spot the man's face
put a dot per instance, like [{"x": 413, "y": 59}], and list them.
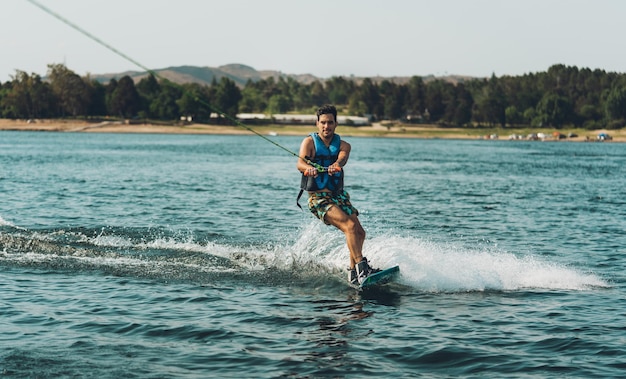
[{"x": 326, "y": 125}]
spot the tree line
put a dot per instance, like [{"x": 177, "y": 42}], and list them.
[{"x": 562, "y": 96}]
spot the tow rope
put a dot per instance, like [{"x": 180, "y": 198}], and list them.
[{"x": 131, "y": 60}]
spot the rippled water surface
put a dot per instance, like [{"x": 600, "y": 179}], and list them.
[{"x": 167, "y": 256}]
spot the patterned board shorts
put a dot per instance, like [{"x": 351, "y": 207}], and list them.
[{"x": 320, "y": 203}]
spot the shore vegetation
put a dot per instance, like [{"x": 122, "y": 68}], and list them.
[{"x": 565, "y": 99}]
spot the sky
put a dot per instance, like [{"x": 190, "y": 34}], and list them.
[{"x": 325, "y": 38}]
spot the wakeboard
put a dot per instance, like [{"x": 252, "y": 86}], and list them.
[{"x": 381, "y": 277}]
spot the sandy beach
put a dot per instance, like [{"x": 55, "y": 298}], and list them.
[{"x": 392, "y": 130}]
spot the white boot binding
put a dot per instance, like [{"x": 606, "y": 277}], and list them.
[
  {"x": 363, "y": 270},
  {"x": 352, "y": 277}
]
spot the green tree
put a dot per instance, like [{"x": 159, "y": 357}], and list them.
[
  {"x": 267, "y": 87},
  {"x": 369, "y": 95},
  {"x": 4, "y": 92},
  {"x": 124, "y": 99},
  {"x": 339, "y": 89},
  {"x": 492, "y": 104},
  {"x": 590, "y": 112},
  {"x": 165, "y": 106},
  {"x": 227, "y": 97},
  {"x": 529, "y": 116},
  {"x": 439, "y": 94},
  {"x": 554, "y": 110},
  {"x": 29, "y": 97},
  {"x": 109, "y": 89},
  {"x": 302, "y": 99},
  {"x": 393, "y": 99},
  {"x": 71, "y": 91},
  {"x": 356, "y": 106},
  {"x": 97, "y": 105},
  {"x": 461, "y": 106},
  {"x": 279, "y": 104},
  {"x": 149, "y": 90},
  {"x": 616, "y": 103},
  {"x": 195, "y": 101},
  {"x": 252, "y": 100},
  {"x": 318, "y": 93},
  {"x": 416, "y": 99},
  {"x": 513, "y": 115}
]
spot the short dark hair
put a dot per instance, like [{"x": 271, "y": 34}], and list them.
[{"x": 327, "y": 109}]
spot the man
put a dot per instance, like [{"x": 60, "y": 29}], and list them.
[{"x": 323, "y": 156}]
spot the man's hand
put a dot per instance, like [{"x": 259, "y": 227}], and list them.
[
  {"x": 333, "y": 169},
  {"x": 311, "y": 171}
]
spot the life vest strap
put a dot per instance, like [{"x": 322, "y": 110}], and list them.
[{"x": 298, "y": 198}]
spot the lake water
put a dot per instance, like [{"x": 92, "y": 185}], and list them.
[{"x": 178, "y": 256}]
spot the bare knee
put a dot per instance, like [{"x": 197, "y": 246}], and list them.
[
  {"x": 360, "y": 231},
  {"x": 355, "y": 228}
]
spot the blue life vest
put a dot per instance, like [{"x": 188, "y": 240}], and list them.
[{"x": 324, "y": 156}]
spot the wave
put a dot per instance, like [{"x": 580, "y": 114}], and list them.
[
  {"x": 433, "y": 267},
  {"x": 3, "y": 222},
  {"x": 317, "y": 255}
]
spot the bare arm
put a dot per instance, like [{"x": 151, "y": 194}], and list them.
[
  {"x": 342, "y": 158},
  {"x": 344, "y": 154},
  {"x": 307, "y": 149}
]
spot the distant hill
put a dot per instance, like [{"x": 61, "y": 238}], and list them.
[{"x": 240, "y": 74}]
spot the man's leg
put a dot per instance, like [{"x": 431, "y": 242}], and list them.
[{"x": 352, "y": 229}]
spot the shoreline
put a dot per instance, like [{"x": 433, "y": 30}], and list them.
[{"x": 385, "y": 130}]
